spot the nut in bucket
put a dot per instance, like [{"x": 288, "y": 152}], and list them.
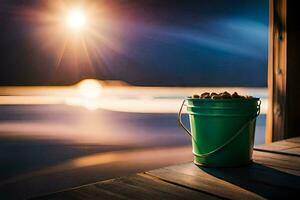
[{"x": 222, "y": 95}]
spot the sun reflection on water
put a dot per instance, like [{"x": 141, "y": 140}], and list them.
[
  {"x": 96, "y": 94},
  {"x": 89, "y": 88},
  {"x": 88, "y": 93}
]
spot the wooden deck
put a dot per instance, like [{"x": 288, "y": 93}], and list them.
[{"x": 274, "y": 174}]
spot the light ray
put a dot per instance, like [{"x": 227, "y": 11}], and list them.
[
  {"x": 61, "y": 54},
  {"x": 85, "y": 49}
]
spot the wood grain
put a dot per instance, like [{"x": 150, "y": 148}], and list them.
[
  {"x": 272, "y": 175},
  {"x": 255, "y": 181},
  {"x": 289, "y": 146},
  {"x": 138, "y": 186},
  {"x": 283, "y": 71}
]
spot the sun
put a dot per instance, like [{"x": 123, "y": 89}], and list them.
[
  {"x": 75, "y": 34},
  {"x": 76, "y": 19}
]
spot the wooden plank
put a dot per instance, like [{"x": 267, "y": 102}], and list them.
[
  {"x": 291, "y": 161},
  {"x": 139, "y": 186},
  {"x": 295, "y": 139},
  {"x": 191, "y": 176},
  {"x": 278, "y": 146},
  {"x": 254, "y": 182},
  {"x": 288, "y": 142},
  {"x": 280, "y": 150},
  {"x": 89, "y": 193},
  {"x": 272, "y": 175},
  {"x": 295, "y": 150},
  {"x": 289, "y": 146},
  {"x": 284, "y": 163}
]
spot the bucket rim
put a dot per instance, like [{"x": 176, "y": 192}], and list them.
[{"x": 223, "y": 100}]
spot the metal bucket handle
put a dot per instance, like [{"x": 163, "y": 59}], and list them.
[{"x": 227, "y": 142}]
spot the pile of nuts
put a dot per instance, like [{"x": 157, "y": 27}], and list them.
[{"x": 222, "y": 95}]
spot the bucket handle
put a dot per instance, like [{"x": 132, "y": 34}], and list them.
[
  {"x": 180, "y": 120},
  {"x": 227, "y": 142}
]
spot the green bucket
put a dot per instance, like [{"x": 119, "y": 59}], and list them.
[{"x": 222, "y": 130}]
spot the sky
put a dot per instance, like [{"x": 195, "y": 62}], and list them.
[{"x": 141, "y": 42}]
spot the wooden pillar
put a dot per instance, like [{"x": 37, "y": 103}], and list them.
[
  {"x": 283, "y": 117},
  {"x": 275, "y": 128},
  {"x": 293, "y": 69}
]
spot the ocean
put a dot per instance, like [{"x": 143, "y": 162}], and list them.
[{"x": 47, "y": 145}]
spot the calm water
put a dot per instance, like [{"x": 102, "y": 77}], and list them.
[{"x": 45, "y": 148}]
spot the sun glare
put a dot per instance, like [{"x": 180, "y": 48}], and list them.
[
  {"x": 77, "y": 34},
  {"x": 76, "y": 19},
  {"x": 89, "y": 88}
]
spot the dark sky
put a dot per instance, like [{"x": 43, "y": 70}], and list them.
[{"x": 146, "y": 42}]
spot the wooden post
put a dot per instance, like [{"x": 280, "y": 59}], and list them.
[
  {"x": 283, "y": 117},
  {"x": 269, "y": 121},
  {"x": 276, "y": 71},
  {"x": 293, "y": 69}
]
